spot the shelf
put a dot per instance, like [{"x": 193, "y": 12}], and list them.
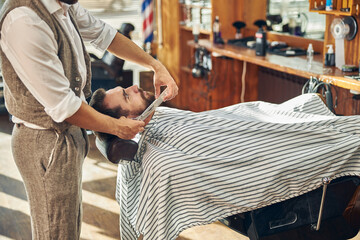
[
  {"x": 353, "y": 5},
  {"x": 195, "y": 13},
  {"x": 333, "y": 12},
  {"x": 202, "y": 31},
  {"x": 341, "y": 82},
  {"x": 292, "y": 65}
]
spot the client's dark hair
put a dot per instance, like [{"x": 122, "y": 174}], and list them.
[{"x": 97, "y": 102}]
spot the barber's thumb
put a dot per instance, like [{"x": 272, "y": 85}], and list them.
[
  {"x": 157, "y": 91},
  {"x": 140, "y": 123}
]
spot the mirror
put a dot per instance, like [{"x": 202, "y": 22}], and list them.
[{"x": 293, "y": 17}]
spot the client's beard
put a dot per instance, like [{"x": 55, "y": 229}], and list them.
[{"x": 148, "y": 100}]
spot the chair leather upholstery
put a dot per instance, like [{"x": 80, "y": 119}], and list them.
[
  {"x": 117, "y": 150},
  {"x": 352, "y": 211}
]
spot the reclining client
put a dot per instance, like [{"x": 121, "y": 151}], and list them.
[{"x": 196, "y": 168}]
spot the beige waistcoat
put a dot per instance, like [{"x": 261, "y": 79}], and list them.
[{"x": 18, "y": 100}]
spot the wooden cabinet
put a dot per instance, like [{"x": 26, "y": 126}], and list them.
[
  {"x": 198, "y": 94},
  {"x": 178, "y": 55},
  {"x": 233, "y": 77},
  {"x": 347, "y": 103},
  {"x": 229, "y": 74}
]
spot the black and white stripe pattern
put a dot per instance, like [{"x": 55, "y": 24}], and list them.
[{"x": 196, "y": 168}]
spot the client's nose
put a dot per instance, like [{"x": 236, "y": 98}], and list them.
[{"x": 134, "y": 88}]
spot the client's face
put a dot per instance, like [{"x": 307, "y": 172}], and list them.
[{"x": 132, "y": 99}]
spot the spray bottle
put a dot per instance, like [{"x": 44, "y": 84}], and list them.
[
  {"x": 330, "y": 56},
  {"x": 260, "y": 36}
]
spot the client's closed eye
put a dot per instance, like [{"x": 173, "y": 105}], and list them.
[{"x": 126, "y": 96}]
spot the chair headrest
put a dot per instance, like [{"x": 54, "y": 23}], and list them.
[{"x": 117, "y": 150}]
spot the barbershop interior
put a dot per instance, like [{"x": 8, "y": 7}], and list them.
[{"x": 221, "y": 53}]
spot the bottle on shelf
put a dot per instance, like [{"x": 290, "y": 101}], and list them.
[
  {"x": 196, "y": 31},
  {"x": 330, "y": 56},
  {"x": 329, "y": 5},
  {"x": 260, "y": 38},
  {"x": 216, "y": 31},
  {"x": 310, "y": 55}
]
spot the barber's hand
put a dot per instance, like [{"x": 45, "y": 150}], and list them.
[
  {"x": 163, "y": 78},
  {"x": 128, "y": 128}
]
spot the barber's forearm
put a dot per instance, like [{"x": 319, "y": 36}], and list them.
[
  {"x": 124, "y": 48},
  {"x": 88, "y": 118}
]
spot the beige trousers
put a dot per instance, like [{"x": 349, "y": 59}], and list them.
[{"x": 50, "y": 164}]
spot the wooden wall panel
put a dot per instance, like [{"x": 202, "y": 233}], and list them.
[
  {"x": 252, "y": 82},
  {"x": 277, "y": 87},
  {"x": 352, "y": 50},
  {"x": 168, "y": 54},
  {"x": 230, "y": 11},
  {"x": 186, "y": 54},
  {"x": 225, "y": 82},
  {"x": 198, "y": 95},
  {"x": 221, "y": 88},
  {"x": 193, "y": 94},
  {"x": 254, "y": 10},
  {"x": 347, "y": 103}
]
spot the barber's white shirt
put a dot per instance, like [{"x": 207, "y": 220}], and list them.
[{"x": 30, "y": 46}]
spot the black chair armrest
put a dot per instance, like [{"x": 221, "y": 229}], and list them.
[{"x": 117, "y": 150}]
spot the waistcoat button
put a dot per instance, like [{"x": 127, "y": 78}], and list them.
[
  {"x": 77, "y": 88},
  {"x": 77, "y": 79}
]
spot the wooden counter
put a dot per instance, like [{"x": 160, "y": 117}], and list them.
[{"x": 296, "y": 65}]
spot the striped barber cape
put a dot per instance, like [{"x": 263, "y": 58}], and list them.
[{"x": 195, "y": 168}]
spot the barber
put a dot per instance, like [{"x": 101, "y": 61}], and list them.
[{"x": 47, "y": 77}]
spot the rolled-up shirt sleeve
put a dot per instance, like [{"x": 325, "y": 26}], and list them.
[
  {"x": 31, "y": 48},
  {"x": 93, "y": 30}
]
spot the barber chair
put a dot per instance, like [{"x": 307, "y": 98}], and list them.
[
  {"x": 108, "y": 71},
  {"x": 331, "y": 212},
  {"x": 117, "y": 150}
]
